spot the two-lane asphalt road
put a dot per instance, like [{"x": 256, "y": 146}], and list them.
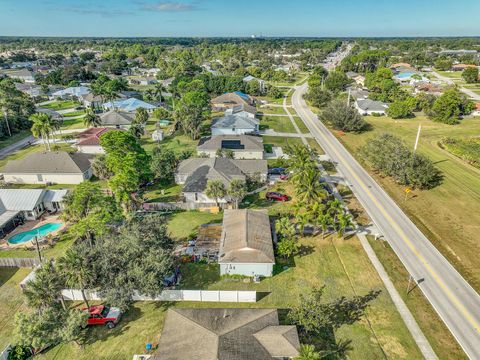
[{"x": 452, "y": 297}]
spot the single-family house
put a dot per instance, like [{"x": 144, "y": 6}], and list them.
[
  {"x": 370, "y": 107},
  {"x": 246, "y": 246},
  {"x": 250, "y": 78},
  {"x": 129, "y": 105},
  {"x": 88, "y": 141},
  {"x": 22, "y": 74},
  {"x": 91, "y": 101},
  {"x": 52, "y": 167},
  {"x": 461, "y": 67},
  {"x": 235, "y": 125},
  {"x": 233, "y": 334},
  {"x": 71, "y": 92},
  {"x": 117, "y": 119},
  {"x": 229, "y": 100},
  {"x": 194, "y": 174},
  {"x": 242, "y": 146},
  {"x": 30, "y": 89},
  {"x": 18, "y": 205},
  {"x": 358, "y": 78},
  {"x": 476, "y": 111},
  {"x": 142, "y": 80},
  {"x": 242, "y": 110}
]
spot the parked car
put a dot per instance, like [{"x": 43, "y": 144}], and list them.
[
  {"x": 276, "y": 196},
  {"x": 103, "y": 315},
  {"x": 276, "y": 171}
]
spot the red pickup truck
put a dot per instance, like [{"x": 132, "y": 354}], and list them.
[{"x": 103, "y": 315}]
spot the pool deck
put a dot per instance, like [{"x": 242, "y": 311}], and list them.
[{"x": 30, "y": 225}]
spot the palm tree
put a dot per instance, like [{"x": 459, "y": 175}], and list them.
[
  {"x": 307, "y": 352},
  {"x": 137, "y": 130},
  {"x": 324, "y": 220},
  {"x": 91, "y": 119},
  {"x": 215, "y": 189},
  {"x": 302, "y": 220},
  {"x": 74, "y": 269},
  {"x": 343, "y": 222},
  {"x": 308, "y": 189},
  {"x": 43, "y": 125},
  {"x": 237, "y": 191}
]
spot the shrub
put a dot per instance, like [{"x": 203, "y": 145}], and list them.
[{"x": 343, "y": 117}]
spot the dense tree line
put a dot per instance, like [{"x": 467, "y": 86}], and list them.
[{"x": 390, "y": 156}]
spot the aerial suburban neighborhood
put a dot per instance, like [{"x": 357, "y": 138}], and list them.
[{"x": 169, "y": 193}]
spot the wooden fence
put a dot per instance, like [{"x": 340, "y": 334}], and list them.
[{"x": 19, "y": 262}]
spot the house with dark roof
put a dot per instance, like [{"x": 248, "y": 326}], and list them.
[
  {"x": 232, "y": 99},
  {"x": 235, "y": 125},
  {"x": 194, "y": 174},
  {"x": 52, "y": 167},
  {"x": 117, "y": 119},
  {"x": 242, "y": 146},
  {"x": 88, "y": 141},
  {"x": 91, "y": 101},
  {"x": 233, "y": 334},
  {"x": 246, "y": 246}
]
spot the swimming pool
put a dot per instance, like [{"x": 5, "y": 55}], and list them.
[
  {"x": 405, "y": 75},
  {"x": 40, "y": 231}
]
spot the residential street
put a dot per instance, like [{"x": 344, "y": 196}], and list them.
[
  {"x": 452, "y": 297},
  {"x": 450, "y": 81},
  {"x": 7, "y": 150}
]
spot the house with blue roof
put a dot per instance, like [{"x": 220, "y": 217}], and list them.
[{"x": 129, "y": 105}]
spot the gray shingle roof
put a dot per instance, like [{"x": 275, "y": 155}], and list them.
[
  {"x": 226, "y": 334},
  {"x": 240, "y": 108},
  {"x": 371, "y": 105},
  {"x": 114, "y": 118},
  {"x": 237, "y": 121},
  {"x": 246, "y": 237},
  {"x": 52, "y": 162},
  {"x": 247, "y": 142},
  {"x": 200, "y": 170},
  {"x": 230, "y": 99}
]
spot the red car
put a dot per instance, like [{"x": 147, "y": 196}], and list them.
[
  {"x": 103, "y": 315},
  {"x": 276, "y": 196}
]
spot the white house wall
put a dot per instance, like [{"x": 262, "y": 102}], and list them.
[
  {"x": 249, "y": 269},
  {"x": 46, "y": 178}
]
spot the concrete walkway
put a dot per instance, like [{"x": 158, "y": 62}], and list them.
[
  {"x": 292, "y": 120},
  {"x": 270, "y": 132}
]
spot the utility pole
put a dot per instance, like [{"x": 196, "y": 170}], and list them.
[
  {"x": 418, "y": 137},
  {"x": 38, "y": 249},
  {"x": 410, "y": 278},
  {"x": 6, "y": 120},
  {"x": 348, "y": 99}
]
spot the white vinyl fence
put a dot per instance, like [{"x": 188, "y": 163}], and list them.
[{"x": 176, "y": 295}]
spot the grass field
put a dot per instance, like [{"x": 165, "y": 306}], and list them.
[
  {"x": 278, "y": 110},
  {"x": 340, "y": 265},
  {"x": 28, "y": 150},
  {"x": 277, "y": 123},
  {"x": 280, "y": 141},
  {"x": 184, "y": 223},
  {"x": 50, "y": 253},
  {"x": 61, "y": 105},
  {"x": 449, "y": 214},
  {"x": 9, "y": 140},
  {"x": 72, "y": 124},
  {"x": 12, "y": 301},
  {"x": 74, "y": 113}
]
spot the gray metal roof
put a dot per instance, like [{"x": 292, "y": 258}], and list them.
[
  {"x": 237, "y": 121},
  {"x": 246, "y": 237},
  {"x": 6, "y": 216},
  {"x": 21, "y": 199},
  {"x": 114, "y": 118},
  {"x": 51, "y": 162},
  {"x": 55, "y": 195}
]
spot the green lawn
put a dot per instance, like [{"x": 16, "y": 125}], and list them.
[
  {"x": 314, "y": 144},
  {"x": 72, "y": 124},
  {"x": 301, "y": 125},
  {"x": 340, "y": 265},
  {"x": 278, "y": 110},
  {"x": 449, "y": 214},
  {"x": 184, "y": 223},
  {"x": 61, "y": 105},
  {"x": 177, "y": 142},
  {"x": 52, "y": 253},
  {"x": 74, "y": 113},
  {"x": 11, "y": 299},
  {"x": 451, "y": 74},
  {"x": 277, "y": 123},
  {"x": 28, "y": 150},
  {"x": 9, "y": 140},
  {"x": 280, "y": 141},
  {"x": 440, "y": 338},
  {"x": 163, "y": 193}
]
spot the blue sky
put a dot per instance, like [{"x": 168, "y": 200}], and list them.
[{"x": 239, "y": 18}]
